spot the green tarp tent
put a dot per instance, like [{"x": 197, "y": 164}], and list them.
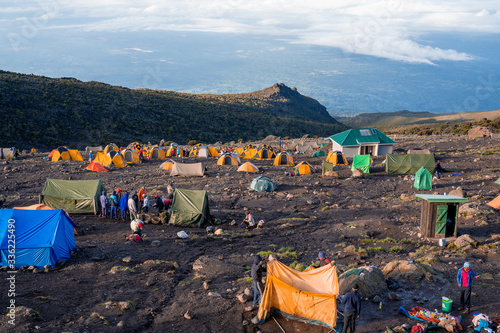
[
  {"x": 190, "y": 208},
  {"x": 326, "y": 166},
  {"x": 73, "y": 196},
  {"x": 361, "y": 162},
  {"x": 408, "y": 163},
  {"x": 318, "y": 153},
  {"x": 423, "y": 179},
  {"x": 261, "y": 184}
]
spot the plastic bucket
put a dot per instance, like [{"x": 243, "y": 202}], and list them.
[{"x": 447, "y": 304}]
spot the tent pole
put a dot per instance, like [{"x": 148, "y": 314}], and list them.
[{"x": 278, "y": 324}]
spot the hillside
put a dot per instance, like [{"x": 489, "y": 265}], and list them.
[
  {"x": 402, "y": 119},
  {"x": 47, "y": 112}
]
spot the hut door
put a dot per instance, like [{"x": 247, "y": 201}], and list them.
[
  {"x": 442, "y": 215},
  {"x": 452, "y": 217}
]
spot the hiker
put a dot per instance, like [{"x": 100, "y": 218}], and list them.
[
  {"x": 104, "y": 204},
  {"x": 33, "y": 151},
  {"x": 132, "y": 207},
  {"x": 141, "y": 155},
  {"x": 158, "y": 203},
  {"x": 249, "y": 221},
  {"x": 438, "y": 168},
  {"x": 258, "y": 287},
  {"x": 124, "y": 206},
  {"x": 113, "y": 204},
  {"x": 178, "y": 152},
  {"x": 90, "y": 156},
  {"x": 323, "y": 260},
  {"x": 352, "y": 309},
  {"x": 136, "y": 226},
  {"x": 465, "y": 284},
  {"x": 145, "y": 208},
  {"x": 168, "y": 202},
  {"x": 142, "y": 193}
]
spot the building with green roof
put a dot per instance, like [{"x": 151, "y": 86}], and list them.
[{"x": 362, "y": 141}]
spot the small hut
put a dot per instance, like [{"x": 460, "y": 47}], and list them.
[{"x": 439, "y": 215}]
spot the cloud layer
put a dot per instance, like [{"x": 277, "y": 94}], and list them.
[{"x": 389, "y": 28}]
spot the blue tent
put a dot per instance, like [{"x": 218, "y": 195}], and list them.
[{"x": 42, "y": 237}]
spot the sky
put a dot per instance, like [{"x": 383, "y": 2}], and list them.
[{"x": 190, "y": 45}]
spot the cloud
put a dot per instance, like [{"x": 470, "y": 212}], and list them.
[{"x": 384, "y": 28}]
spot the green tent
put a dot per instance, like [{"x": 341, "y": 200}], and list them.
[
  {"x": 408, "y": 163},
  {"x": 262, "y": 183},
  {"x": 498, "y": 181},
  {"x": 361, "y": 162},
  {"x": 318, "y": 153},
  {"x": 326, "y": 166},
  {"x": 190, "y": 208},
  {"x": 423, "y": 179},
  {"x": 74, "y": 196}
]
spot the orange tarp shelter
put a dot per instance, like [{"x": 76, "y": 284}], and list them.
[{"x": 311, "y": 295}]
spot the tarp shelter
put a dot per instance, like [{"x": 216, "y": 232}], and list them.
[
  {"x": 190, "y": 208},
  {"x": 310, "y": 296},
  {"x": 111, "y": 147},
  {"x": 43, "y": 237},
  {"x": 8, "y": 152},
  {"x": 131, "y": 156},
  {"x": 409, "y": 163},
  {"x": 188, "y": 169},
  {"x": 318, "y": 153},
  {"x": 96, "y": 167},
  {"x": 423, "y": 179},
  {"x": 248, "y": 167},
  {"x": 303, "y": 168},
  {"x": 227, "y": 159},
  {"x": 361, "y": 162},
  {"x": 74, "y": 196},
  {"x": 284, "y": 159},
  {"x": 336, "y": 158},
  {"x": 262, "y": 184},
  {"x": 439, "y": 215},
  {"x": 362, "y": 141},
  {"x": 167, "y": 165}
]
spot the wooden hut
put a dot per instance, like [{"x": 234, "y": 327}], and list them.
[{"x": 439, "y": 215}]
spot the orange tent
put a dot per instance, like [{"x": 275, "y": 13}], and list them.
[
  {"x": 311, "y": 295},
  {"x": 94, "y": 166},
  {"x": 248, "y": 167},
  {"x": 495, "y": 203},
  {"x": 167, "y": 165}
]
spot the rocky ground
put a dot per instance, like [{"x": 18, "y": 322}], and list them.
[{"x": 113, "y": 285}]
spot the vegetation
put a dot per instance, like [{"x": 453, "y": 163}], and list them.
[{"x": 48, "y": 112}]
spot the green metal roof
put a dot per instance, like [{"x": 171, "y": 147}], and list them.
[
  {"x": 440, "y": 198},
  {"x": 357, "y": 136}
]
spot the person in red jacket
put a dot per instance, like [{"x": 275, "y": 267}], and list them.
[{"x": 464, "y": 280}]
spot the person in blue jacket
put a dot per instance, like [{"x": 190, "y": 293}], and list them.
[
  {"x": 352, "y": 309},
  {"x": 464, "y": 280},
  {"x": 124, "y": 206}
]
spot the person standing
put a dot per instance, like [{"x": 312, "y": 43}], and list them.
[
  {"x": 142, "y": 193},
  {"x": 145, "y": 208},
  {"x": 113, "y": 204},
  {"x": 158, "y": 203},
  {"x": 464, "y": 280},
  {"x": 104, "y": 204},
  {"x": 124, "y": 206},
  {"x": 132, "y": 207},
  {"x": 258, "y": 287},
  {"x": 352, "y": 309},
  {"x": 90, "y": 156}
]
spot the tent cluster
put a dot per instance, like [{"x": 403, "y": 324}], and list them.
[{"x": 65, "y": 154}]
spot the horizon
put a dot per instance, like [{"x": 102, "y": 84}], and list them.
[{"x": 360, "y": 57}]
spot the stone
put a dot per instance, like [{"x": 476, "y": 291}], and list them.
[
  {"x": 127, "y": 259},
  {"x": 464, "y": 241},
  {"x": 371, "y": 281},
  {"x": 37, "y": 270},
  {"x": 350, "y": 248},
  {"x": 393, "y": 297},
  {"x": 458, "y": 193},
  {"x": 255, "y": 320},
  {"x": 233, "y": 222},
  {"x": 155, "y": 243},
  {"x": 206, "y": 285},
  {"x": 188, "y": 315},
  {"x": 245, "y": 322},
  {"x": 242, "y": 298},
  {"x": 121, "y": 323},
  {"x": 413, "y": 271},
  {"x": 211, "y": 293},
  {"x": 331, "y": 174},
  {"x": 124, "y": 305},
  {"x": 377, "y": 299},
  {"x": 248, "y": 308},
  {"x": 219, "y": 232},
  {"x": 248, "y": 292},
  {"x": 357, "y": 173},
  {"x": 31, "y": 268}
]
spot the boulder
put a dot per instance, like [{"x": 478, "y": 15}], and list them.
[
  {"x": 212, "y": 267},
  {"x": 371, "y": 281},
  {"x": 413, "y": 271},
  {"x": 464, "y": 241},
  {"x": 357, "y": 173},
  {"x": 242, "y": 298},
  {"x": 332, "y": 174},
  {"x": 458, "y": 193}
]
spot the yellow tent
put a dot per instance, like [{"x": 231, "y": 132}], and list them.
[
  {"x": 60, "y": 153},
  {"x": 240, "y": 151},
  {"x": 135, "y": 145},
  {"x": 265, "y": 152},
  {"x": 102, "y": 159},
  {"x": 169, "y": 152},
  {"x": 284, "y": 159},
  {"x": 311, "y": 295},
  {"x": 303, "y": 168},
  {"x": 213, "y": 152},
  {"x": 112, "y": 157},
  {"x": 111, "y": 147},
  {"x": 249, "y": 153},
  {"x": 248, "y": 167},
  {"x": 227, "y": 159},
  {"x": 167, "y": 165},
  {"x": 75, "y": 155},
  {"x": 336, "y": 158},
  {"x": 156, "y": 152},
  {"x": 130, "y": 156}
]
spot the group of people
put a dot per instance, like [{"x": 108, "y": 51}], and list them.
[{"x": 127, "y": 206}]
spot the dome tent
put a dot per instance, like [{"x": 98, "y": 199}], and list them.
[{"x": 262, "y": 184}]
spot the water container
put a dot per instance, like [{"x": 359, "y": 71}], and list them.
[
  {"x": 447, "y": 304},
  {"x": 442, "y": 242}
]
